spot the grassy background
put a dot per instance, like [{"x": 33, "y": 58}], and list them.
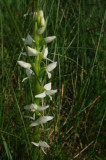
[{"x": 78, "y": 129}]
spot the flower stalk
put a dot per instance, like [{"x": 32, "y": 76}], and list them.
[{"x": 37, "y": 50}]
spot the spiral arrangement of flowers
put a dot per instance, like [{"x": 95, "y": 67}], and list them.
[{"x": 36, "y": 72}]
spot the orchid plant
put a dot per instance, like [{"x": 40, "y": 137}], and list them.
[{"x": 39, "y": 68}]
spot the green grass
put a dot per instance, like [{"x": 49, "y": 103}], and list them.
[{"x": 78, "y": 129}]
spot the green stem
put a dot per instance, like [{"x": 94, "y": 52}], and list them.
[
  {"x": 36, "y": 139},
  {"x": 37, "y": 88}
]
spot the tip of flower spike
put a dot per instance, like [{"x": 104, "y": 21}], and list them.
[
  {"x": 43, "y": 28},
  {"x": 42, "y": 18},
  {"x": 41, "y": 13}
]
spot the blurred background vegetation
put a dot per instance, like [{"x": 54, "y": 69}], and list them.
[{"x": 78, "y": 129}]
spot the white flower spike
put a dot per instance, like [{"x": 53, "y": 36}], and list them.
[
  {"x": 39, "y": 61},
  {"x": 42, "y": 18},
  {"x": 50, "y": 39},
  {"x": 41, "y": 144},
  {"x": 24, "y": 64}
]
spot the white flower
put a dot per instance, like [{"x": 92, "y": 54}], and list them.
[
  {"x": 28, "y": 40},
  {"x": 34, "y": 107},
  {"x": 50, "y": 67},
  {"x": 49, "y": 75},
  {"x": 49, "y": 39},
  {"x": 51, "y": 92},
  {"x": 47, "y": 92},
  {"x": 45, "y": 53},
  {"x": 41, "y": 144},
  {"x": 31, "y": 52},
  {"x": 24, "y": 64},
  {"x": 47, "y": 86},
  {"x": 41, "y": 121},
  {"x": 41, "y": 95},
  {"x": 29, "y": 72}
]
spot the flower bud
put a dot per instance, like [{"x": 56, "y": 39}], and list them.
[{"x": 42, "y": 18}]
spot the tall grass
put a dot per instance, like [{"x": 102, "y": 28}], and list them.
[{"x": 79, "y": 109}]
